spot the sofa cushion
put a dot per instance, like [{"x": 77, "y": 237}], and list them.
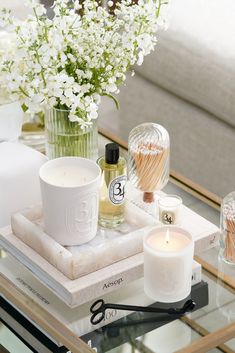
[{"x": 195, "y": 57}]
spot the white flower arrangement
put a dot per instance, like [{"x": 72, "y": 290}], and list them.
[
  {"x": 7, "y": 42},
  {"x": 79, "y": 55}
]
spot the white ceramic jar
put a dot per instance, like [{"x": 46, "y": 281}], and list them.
[
  {"x": 11, "y": 119},
  {"x": 70, "y": 197}
]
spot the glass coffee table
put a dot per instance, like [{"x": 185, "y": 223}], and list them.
[{"x": 28, "y": 326}]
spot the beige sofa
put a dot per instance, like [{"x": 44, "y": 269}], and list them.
[{"x": 188, "y": 86}]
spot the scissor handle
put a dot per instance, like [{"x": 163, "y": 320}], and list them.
[
  {"x": 97, "y": 317},
  {"x": 98, "y": 312},
  {"x": 97, "y": 306}
]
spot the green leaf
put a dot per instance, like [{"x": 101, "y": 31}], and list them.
[
  {"x": 41, "y": 117},
  {"x": 24, "y": 108}
]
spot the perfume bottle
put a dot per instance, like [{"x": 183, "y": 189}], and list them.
[{"x": 112, "y": 194}]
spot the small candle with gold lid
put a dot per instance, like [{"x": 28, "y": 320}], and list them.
[
  {"x": 170, "y": 209},
  {"x": 168, "y": 258}
]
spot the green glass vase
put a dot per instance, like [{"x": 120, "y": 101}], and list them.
[{"x": 66, "y": 138}]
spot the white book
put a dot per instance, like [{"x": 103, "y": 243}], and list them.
[{"x": 77, "y": 319}]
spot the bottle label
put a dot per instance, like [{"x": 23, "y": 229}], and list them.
[{"x": 117, "y": 190}]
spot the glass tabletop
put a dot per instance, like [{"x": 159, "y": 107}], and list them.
[{"x": 209, "y": 329}]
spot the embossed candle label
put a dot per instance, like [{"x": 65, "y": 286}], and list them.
[
  {"x": 117, "y": 190},
  {"x": 82, "y": 212}
]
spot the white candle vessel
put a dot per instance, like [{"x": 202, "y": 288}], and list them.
[
  {"x": 168, "y": 257},
  {"x": 70, "y": 197},
  {"x": 170, "y": 209},
  {"x": 11, "y": 119}
]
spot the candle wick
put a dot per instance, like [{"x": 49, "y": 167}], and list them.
[{"x": 167, "y": 236}]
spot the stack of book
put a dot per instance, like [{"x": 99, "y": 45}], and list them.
[{"x": 78, "y": 319}]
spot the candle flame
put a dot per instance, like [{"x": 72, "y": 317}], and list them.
[{"x": 167, "y": 236}]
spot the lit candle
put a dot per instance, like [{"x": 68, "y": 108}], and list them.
[
  {"x": 170, "y": 209},
  {"x": 168, "y": 257}
]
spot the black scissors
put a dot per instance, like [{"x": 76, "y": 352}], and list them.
[{"x": 99, "y": 307}]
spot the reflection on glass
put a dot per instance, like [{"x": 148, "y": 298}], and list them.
[
  {"x": 225, "y": 293},
  {"x": 168, "y": 338}
]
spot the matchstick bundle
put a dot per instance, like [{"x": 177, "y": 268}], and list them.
[
  {"x": 150, "y": 161},
  {"x": 229, "y": 241},
  {"x": 148, "y": 165},
  {"x": 228, "y": 227}
]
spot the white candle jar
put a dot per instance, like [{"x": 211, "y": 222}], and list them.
[
  {"x": 168, "y": 258},
  {"x": 170, "y": 209},
  {"x": 70, "y": 197},
  {"x": 11, "y": 119},
  {"x": 19, "y": 182}
]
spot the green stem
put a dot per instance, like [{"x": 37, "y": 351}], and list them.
[
  {"x": 42, "y": 73},
  {"x": 23, "y": 91},
  {"x": 46, "y": 34},
  {"x": 69, "y": 139},
  {"x": 159, "y": 7},
  {"x": 37, "y": 55},
  {"x": 113, "y": 98},
  {"x": 35, "y": 13}
]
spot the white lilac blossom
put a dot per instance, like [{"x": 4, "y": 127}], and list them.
[
  {"x": 83, "y": 53},
  {"x": 7, "y": 42}
]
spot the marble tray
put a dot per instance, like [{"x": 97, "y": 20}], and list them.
[{"x": 108, "y": 247}]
